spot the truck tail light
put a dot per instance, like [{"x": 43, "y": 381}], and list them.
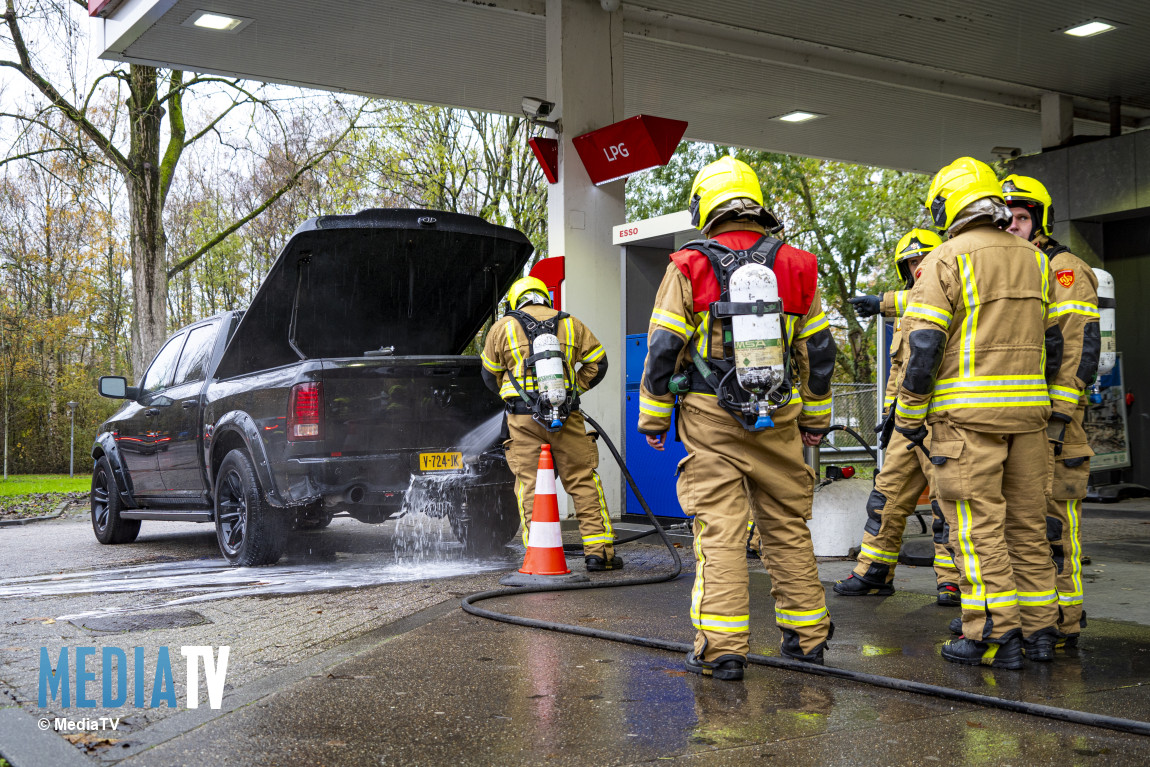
[{"x": 305, "y": 412}]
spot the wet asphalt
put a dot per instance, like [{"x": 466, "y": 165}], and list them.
[{"x": 314, "y": 682}]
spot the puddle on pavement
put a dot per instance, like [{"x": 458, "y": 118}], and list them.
[{"x": 423, "y": 548}]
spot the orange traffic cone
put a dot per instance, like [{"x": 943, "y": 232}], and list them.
[{"x": 544, "y": 561}]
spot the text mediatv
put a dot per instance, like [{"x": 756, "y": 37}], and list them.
[{"x": 110, "y": 665}]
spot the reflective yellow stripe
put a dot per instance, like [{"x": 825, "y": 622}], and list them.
[
  {"x": 878, "y": 555},
  {"x": 730, "y": 624},
  {"x": 1037, "y": 597},
  {"x": 970, "y": 323},
  {"x": 569, "y": 347},
  {"x": 817, "y": 407},
  {"x": 1065, "y": 393},
  {"x": 1044, "y": 270},
  {"x": 700, "y": 566},
  {"x": 603, "y": 506},
  {"x": 817, "y": 323},
  {"x": 598, "y": 539},
  {"x": 940, "y": 317},
  {"x": 671, "y": 321},
  {"x": 998, "y": 599},
  {"x": 971, "y": 565},
  {"x": 1072, "y": 307},
  {"x": 513, "y": 342},
  {"x": 656, "y": 408},
  {"x": 594, "y": 355},
  {"x": 900, "y": 298},
  {"x": 520, "y": 491},
  {"x": 909, "y": 411},
  {"x": 941, "y": 561},
  {"x": 799, "y": 617},
  {"x": 490, "y": 365},
  {"x": 963, "y": 401},
  {"x": 1073, "y": 556},
  {"x": 990, "y": 383},
  {"x": 887, "y": 401},
  {"x": 791, "y": 320}
]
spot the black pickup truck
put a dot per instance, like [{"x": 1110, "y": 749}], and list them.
[{"x": 341, "y": 385}]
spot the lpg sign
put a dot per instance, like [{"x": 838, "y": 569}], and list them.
[{"x": 629, "y": 146}]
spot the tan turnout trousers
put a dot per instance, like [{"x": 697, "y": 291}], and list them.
[
  {"x": 1063, "y": 511},
  {"x": 897, "y": 488},
  {"x": 724, "y": 463},
  {"x": 576, "y": 457},
  {"x": 991, "y": 488}
]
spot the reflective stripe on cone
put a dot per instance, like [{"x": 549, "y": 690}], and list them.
[{"x": 545, "y": 540}]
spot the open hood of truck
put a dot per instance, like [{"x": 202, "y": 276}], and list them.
[{"x": 420, "y": 281}]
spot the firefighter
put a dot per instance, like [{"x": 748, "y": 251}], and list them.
[
  {"x": 904, "y": 474},
  {"x": 1075, "y": 305},
  {"x": 509, "y": 369},
  {"x": 982, "y": 352},
  {"x": 744, "y": 446}
]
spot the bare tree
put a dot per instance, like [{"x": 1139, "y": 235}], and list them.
[{"x": 145, "y": 163}]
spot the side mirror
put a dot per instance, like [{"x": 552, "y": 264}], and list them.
[{"x": 116, "y": 387}]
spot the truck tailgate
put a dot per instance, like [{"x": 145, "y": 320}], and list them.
[{"x": 404, "y": 404}]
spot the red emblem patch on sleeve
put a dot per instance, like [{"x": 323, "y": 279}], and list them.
[{"x": 1065, "y": 277}]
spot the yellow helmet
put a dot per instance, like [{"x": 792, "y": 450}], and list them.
[
  {"x": 1027, "y": 192},
  {"x": 528, "y": 290},
  {"x": 958, "y": 185},
  {"x": 725, "y": 179},
  {"x": 916, "y": 242}
]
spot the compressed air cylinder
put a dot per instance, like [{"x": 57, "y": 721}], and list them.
[
  {"x": 549, "y": 372},
  {"x": 758, "y": 339},
  {"x": 1106, "y": 305}
]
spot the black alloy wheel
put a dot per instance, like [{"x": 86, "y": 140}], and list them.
[
  {"x": 248, "y": 531},
  {"x": 231, "y": 513},
  {"x": 105, "y": 497}
]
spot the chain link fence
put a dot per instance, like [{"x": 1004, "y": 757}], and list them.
[{"x": 854, "y": 405}]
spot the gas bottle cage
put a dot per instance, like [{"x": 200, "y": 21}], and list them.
[
  {"x": 719, "y": 377},
  {"x": 533, "y": 329}
]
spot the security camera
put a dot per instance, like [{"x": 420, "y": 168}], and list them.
[
  {"x": 1006, "y": 152},
  {"x": 537, "y": 108}
]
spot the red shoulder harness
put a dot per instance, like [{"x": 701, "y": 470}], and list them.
[{"x": 796, "y": 269}]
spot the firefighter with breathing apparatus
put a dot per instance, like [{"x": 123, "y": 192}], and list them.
[
  {"x": 539, "y": 361},
  {"x": 904, "y": 473},
  {"x": 983, "y": 351},
  {"x": 739, "y": 344},
  {"x": 1075, "y": 303}
]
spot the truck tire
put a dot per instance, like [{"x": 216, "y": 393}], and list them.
[
  {"x": 249, "y": 533},
  {"x": 486, "y": 520},
  {"x": 106, "y": 521}
]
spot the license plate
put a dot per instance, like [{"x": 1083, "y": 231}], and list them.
[{"x": 440, "y": 461}]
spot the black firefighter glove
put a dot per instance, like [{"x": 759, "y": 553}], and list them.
[
  {"x": 885, "y": 428},
  {"x": 866, "y": 306},
  {"x": 1056, "y": 432},
  {"x": 916, "y": 436}
]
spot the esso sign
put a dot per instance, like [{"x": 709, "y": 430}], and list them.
[{"x": 628, "y": 146}]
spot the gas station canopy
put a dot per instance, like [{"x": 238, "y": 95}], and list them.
[{"x": 893, "y": 83}]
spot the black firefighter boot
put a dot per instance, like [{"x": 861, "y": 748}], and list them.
[
  {"x": 793, "y": 649},
  {"x": 949, "y": 595},
  {"x": 1039, "y": 646},
  {"x": 729, "y": 668},
  {"x": 1004, "y": 652},
  {"x": 597, "y": 564},
  {"x": 956, "y": 626},
  {"x": 872, "y": 584}
]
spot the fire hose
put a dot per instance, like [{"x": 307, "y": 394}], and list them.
[{"x": 469, "y": 605}]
